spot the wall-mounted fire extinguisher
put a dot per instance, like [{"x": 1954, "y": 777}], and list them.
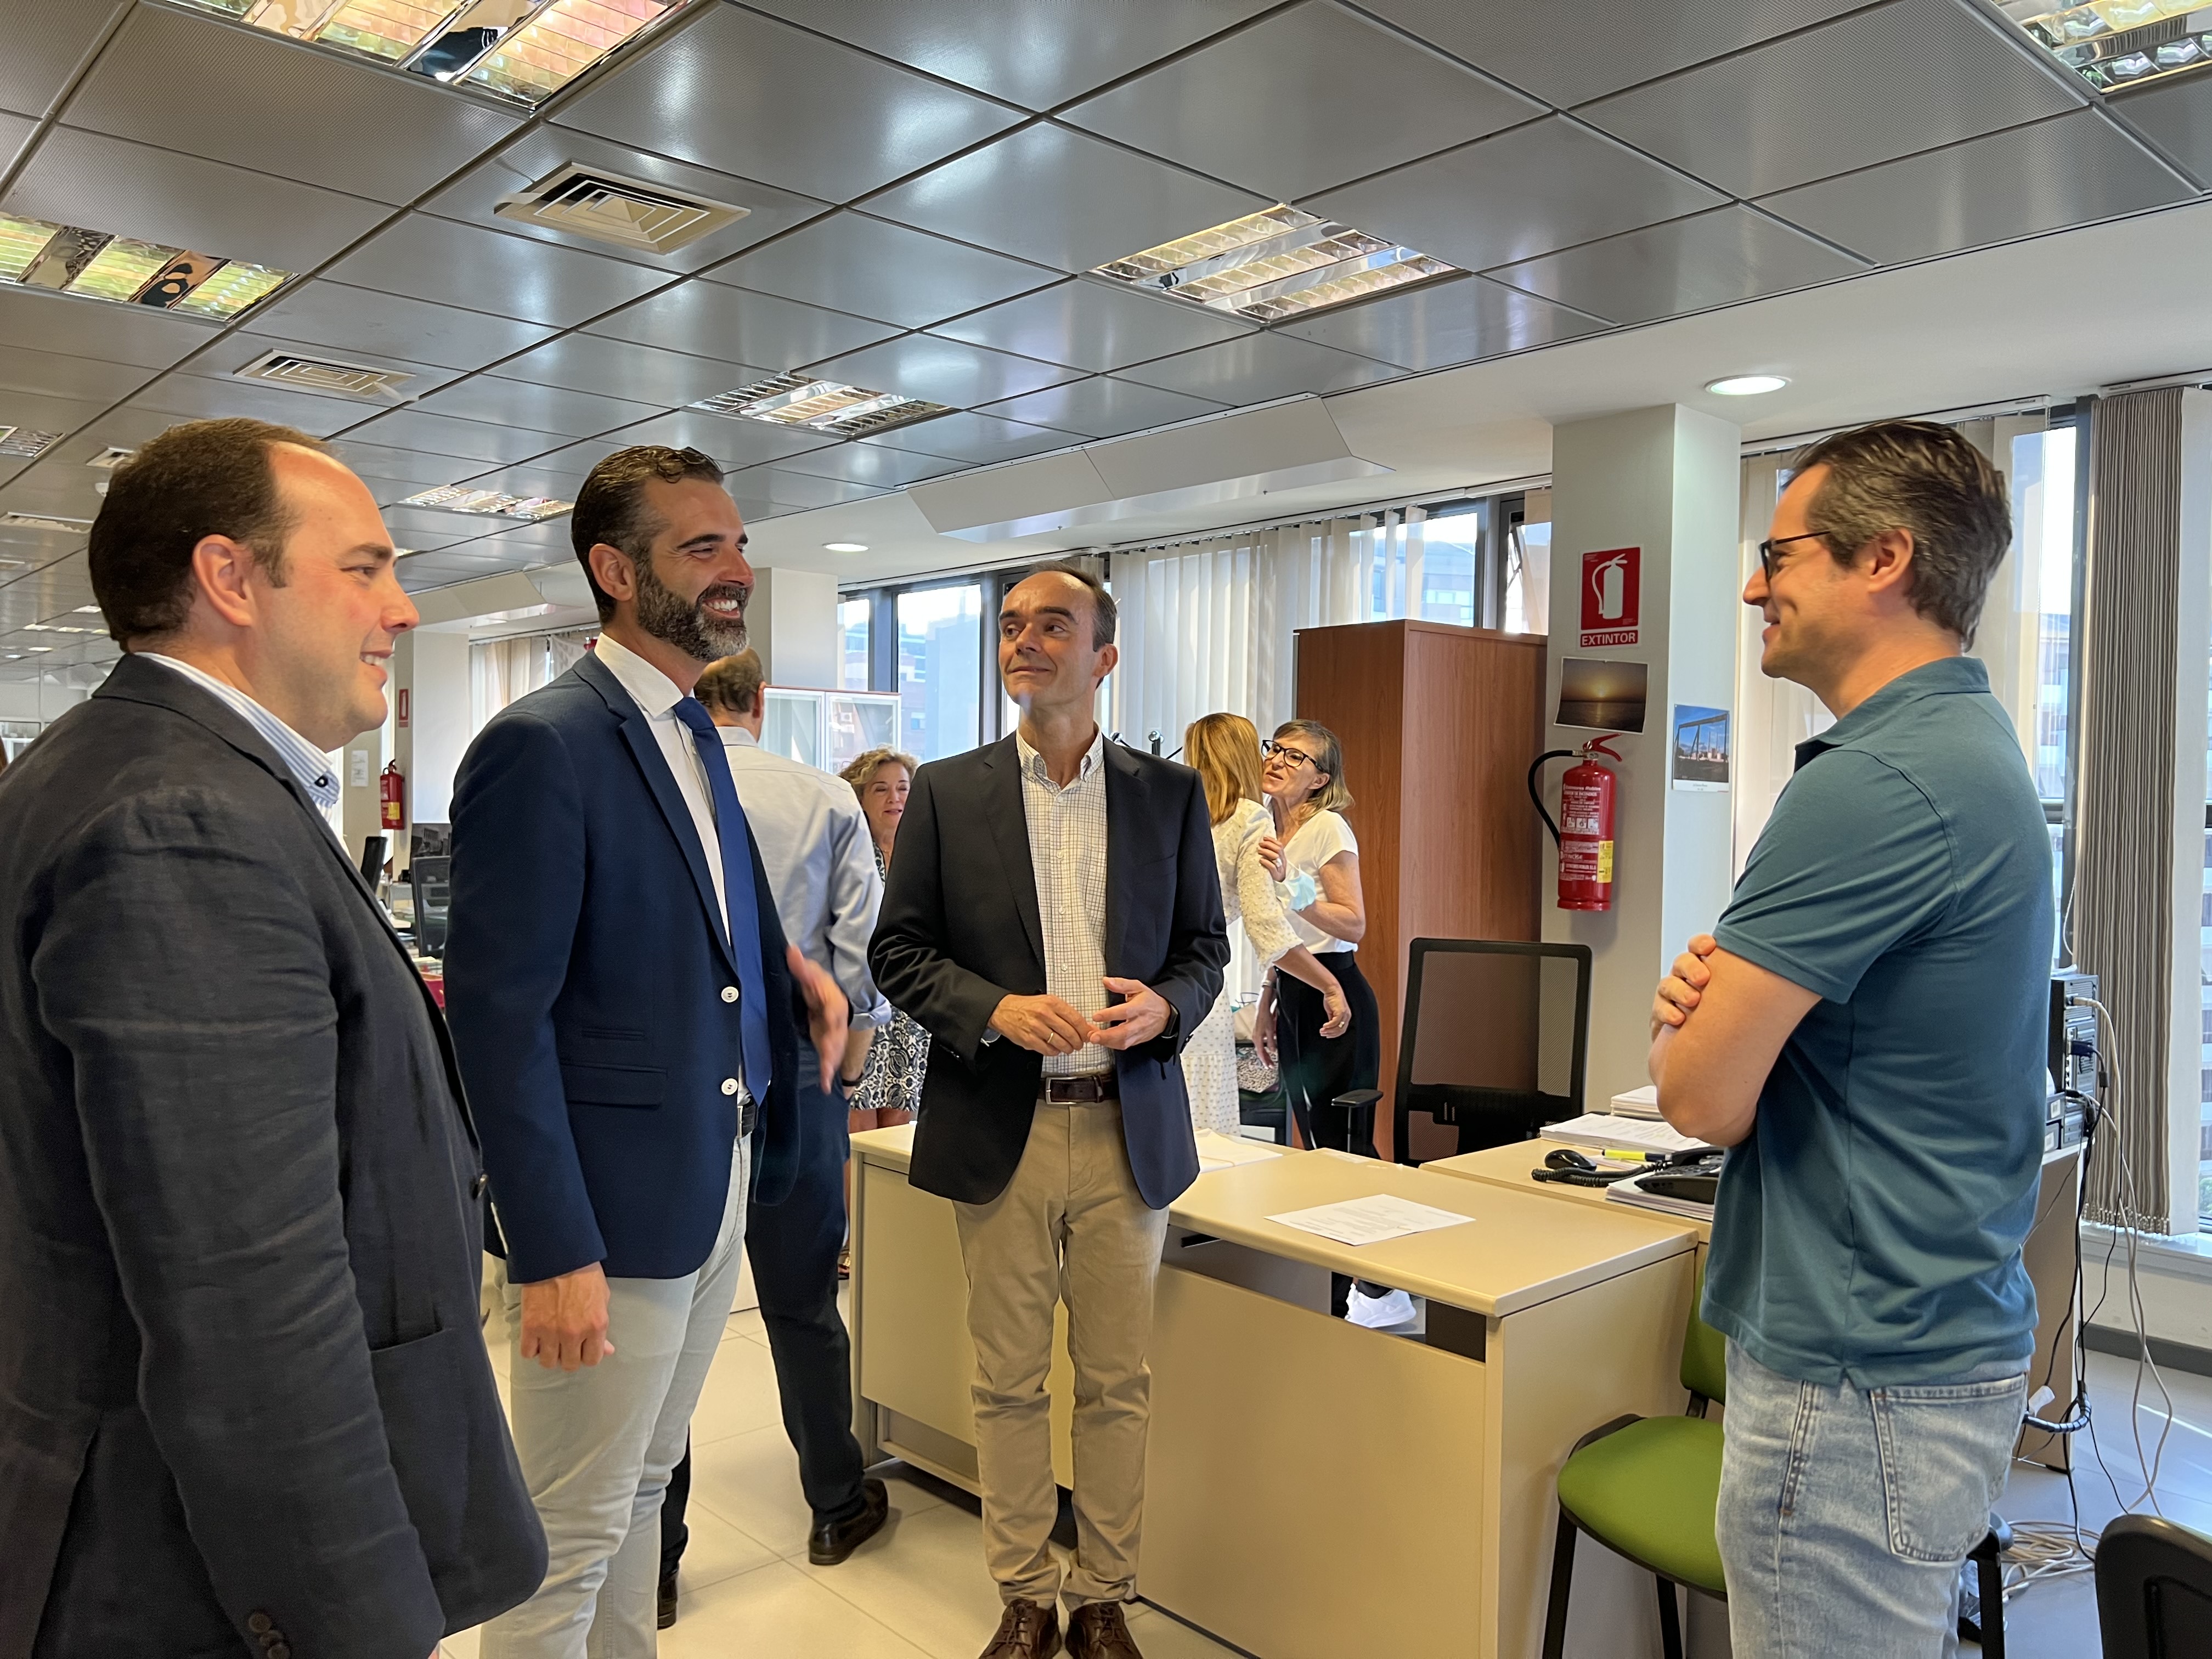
[
  {"x": 392, "y": 788},
  {"x": 1585, "y": 831}
]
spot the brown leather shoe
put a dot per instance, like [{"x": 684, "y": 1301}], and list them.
[
  {"x": 1097, "y": 1631},
  {"x": 1026, "y": 1631}
]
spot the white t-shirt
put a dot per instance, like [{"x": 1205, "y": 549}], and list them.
[{"x": 1318, "y": 839}]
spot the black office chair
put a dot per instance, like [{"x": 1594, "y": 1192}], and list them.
[
  {"x": 1496, "y": 1036},
  {"x": 2154, "y": 1590}
]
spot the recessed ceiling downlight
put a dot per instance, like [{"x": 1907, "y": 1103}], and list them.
[
  {"x": 1746, "y": 385},
  {"x": 844, "y": 547}
]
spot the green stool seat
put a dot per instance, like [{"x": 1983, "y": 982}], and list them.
[{"x": 1633, "y": 1489}]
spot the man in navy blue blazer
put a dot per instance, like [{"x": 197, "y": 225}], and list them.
[{"x": 627, "y": 1013}]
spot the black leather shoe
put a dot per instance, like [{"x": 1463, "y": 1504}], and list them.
[
  {"x": 1025, "y": 1632},
  {"x": 1098, "y": 1630},
  {"x": 667, "y": 1600},
  {"x": 832, "y": 1541}
]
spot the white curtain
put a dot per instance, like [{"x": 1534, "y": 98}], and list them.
[
  {"x": 1773, "y": 717},
  {"x": 503, "y": 671}
]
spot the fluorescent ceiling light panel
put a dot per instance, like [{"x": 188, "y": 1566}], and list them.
[
  {"x": 524, "y": 50},
  {"x": 22, "y": 441},
  {"x": 830, "y": 406},
  {"x": 2117, "y": 43},
  {"x": 1271, "y": 266},
  {"x": 96, "y": 265},
  {"x": 489, "y": 503},
  {"x": 57, "y": 628},
  {"x": 608, "y": 208},
  {"x": 41, "y": 521}
]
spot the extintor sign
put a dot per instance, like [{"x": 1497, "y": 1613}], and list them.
[{"x": 1612, "y": 593}]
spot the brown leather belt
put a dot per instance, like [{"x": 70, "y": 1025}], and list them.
[{"x": 1081, "y": 1090}]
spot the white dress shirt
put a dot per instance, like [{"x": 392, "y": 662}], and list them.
[
  {"x": 1067, "y": 853},
  {"x": 307, "y": 764},
  {"x": 821, "y": 864},
  {"x": 656, "y": 696}
]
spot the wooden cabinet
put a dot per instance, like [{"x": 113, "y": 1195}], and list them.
[{"x": 1439, "y": 725}]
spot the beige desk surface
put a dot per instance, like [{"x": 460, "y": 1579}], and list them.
[
  {"x": 1509, "y": 1167},
  {"x": 1519, "y": 1248}
]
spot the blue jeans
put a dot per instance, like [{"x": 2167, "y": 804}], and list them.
[{"x": 1846, "y": 1512}]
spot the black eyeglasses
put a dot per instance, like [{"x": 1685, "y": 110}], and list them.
[
  {"x": 1293, "y": 756},
  {"x": 1767, "y": 549}
]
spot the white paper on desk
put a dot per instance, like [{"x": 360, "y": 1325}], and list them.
[
  {"x": 1605, "y": 1129},
  {"x": 1369, "y": 1220},
  {"x": 1221, "y": 1151}
]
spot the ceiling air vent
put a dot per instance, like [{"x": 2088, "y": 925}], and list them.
[
  {"x": 608, "y": 208},
  {"x": 111, "y": 458},
  {"x": 328, "y": 376},
  {"x": 22, "y": 441}
]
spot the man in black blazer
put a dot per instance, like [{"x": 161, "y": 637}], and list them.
[
  {"x": 627, "y": 1015},
  {"x": 1054, "y": 918},
  {"x": 244, "y": 1405}
]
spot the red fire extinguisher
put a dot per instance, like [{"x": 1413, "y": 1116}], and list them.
[
  {"x": 392, "y": 788},
  {"x": 1585, "y": 831}
]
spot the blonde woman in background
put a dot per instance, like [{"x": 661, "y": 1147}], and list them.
[
  {"x": 890, "y": 1084},
  {"x": 1224, "y": 749}
]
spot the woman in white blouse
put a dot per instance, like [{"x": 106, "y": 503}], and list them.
[{"x": 1226, "y": 750}]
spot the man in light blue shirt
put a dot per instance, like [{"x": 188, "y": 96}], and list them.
[{"x": 1865, "y": 1032}]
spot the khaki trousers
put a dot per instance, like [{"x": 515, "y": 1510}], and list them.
[{"x": 1070, "y": 1227}]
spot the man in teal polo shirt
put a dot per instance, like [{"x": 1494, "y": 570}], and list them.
[{"x": 1864, "y": 1031}]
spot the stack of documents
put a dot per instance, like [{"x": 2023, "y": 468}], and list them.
[
  {"x": 1605, "y": 1129},
  {"x": 1631, "y": 1191},
  {"x": 1637, "y": 1102}
]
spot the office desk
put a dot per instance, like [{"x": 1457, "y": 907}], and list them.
[
  {"x": 1316, "y": 1490},
  {"x": 2049, "y": 1254}
]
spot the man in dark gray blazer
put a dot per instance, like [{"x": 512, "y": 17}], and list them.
[{"x": 245, "y": 1403}]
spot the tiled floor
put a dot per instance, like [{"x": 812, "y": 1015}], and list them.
[{"x": 920, "y": 1588}]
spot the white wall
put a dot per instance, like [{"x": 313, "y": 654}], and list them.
[
  {"x": 37, "y": 699},
  {"x": 1666, "y": 480},
  {"x": 434, "y": 667},
  {"x": 793, "y": 619}
]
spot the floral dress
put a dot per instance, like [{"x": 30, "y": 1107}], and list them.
[
  {"x": 891, "y": 1079},
  {"x": 1247, "y": 894}
]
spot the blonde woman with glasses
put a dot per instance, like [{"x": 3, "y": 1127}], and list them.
[{"x": 1224, "y": 749}]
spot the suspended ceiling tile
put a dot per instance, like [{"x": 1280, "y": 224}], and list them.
[
  {"x": 14, "y": 130},
  {"x": 870, "y": 464},
  {"x": 383, "y": 465},
  {"x": 316, "y": 116},
  {"x": 1687, "y": 264},
  {"x": 1903, "y": 77},
  {"x": 978, "y": 440},
  {"x": 801, "y": 491},
  {"x": 2176, "y": 114},
  {"x": 112, "y": 185},
  {"x": 59, "y": 376},
  {"x": 531, "y": 479},
  {"x": 46, "y": 43},
  {"x": 1259, "y": 368},
  {"x": 735, "y": 326},
  {"x": 472, "y": 197},
  {"x": 227, "y": 354},
  {"x": 197, "y": 397},
  {"x": 426, "y": 257},
  {"x": 943, "y": 370},
  {"x": 122, "y": 427},
  {"x": 541, "y": 408},
  {"x": 348, "y": 319},
  {"x": 747, "y": 94},
  {"x": 137, "y": 335},
  {"x": 1094, "y": 326},
  {"x": 620, "y": 369},
  {"x": 43, "y": 412},
  {"x": 1599, "y": 47},
  {"x": 2072, "y": 171},
  {"x": 1534, "y": 190},
  {"x": 424, "y": 527},
  {"x": 439, "y": 569},
  {"x": 1038, "y": 53},
  {"x": 1244, "y": 108},
  {"x": 1104, "y": 407},
  {"x": 732, "y": 443},
  {"x": 1063, "y": 199},
  {"x": 872, "y": 268},
  {"x": 435, "y": 435},
  {"x": 1451, "y": 322}
]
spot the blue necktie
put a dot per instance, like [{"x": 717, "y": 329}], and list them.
[{"x": 739, "y": 898}]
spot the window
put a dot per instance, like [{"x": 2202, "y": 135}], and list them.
[
  {"x": 940, "y": 669},
  {"x": 1453, "y": 565},
  {"x": 1528, "y": 580},
  {"x": 852, "y": 631}
]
